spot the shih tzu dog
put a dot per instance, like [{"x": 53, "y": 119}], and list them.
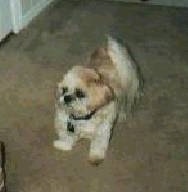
[{"x": 89, "y": 98}]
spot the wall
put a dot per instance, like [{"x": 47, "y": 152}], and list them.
[
  {"x": 181, "y": 3},
  {"x": 16, "y": 14},
  {"x": 5, "y": 18},
  {"x": 23, "y": 11},
  {"x": 31, "y": 8},
  {"x": 26, "y": 5}
]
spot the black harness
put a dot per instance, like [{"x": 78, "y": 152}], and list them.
[
  {"x": 85, "y": 117},
  {"x": 70, "y": 127}
]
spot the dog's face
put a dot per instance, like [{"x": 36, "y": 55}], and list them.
[{"x": 82, "y": 91}]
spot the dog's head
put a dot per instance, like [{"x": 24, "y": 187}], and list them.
[{"x": 82, "y": 91}]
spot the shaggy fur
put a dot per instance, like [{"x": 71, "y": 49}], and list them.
[{"x": 89, "y": 98}]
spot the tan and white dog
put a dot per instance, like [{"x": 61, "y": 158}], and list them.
[{"x": 90, "y": 98}]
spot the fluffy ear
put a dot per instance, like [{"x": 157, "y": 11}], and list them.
[
  {"x": 99, "y": 56},
  {"x": 88, "y": 75},
  {"x": 108, "y": 94},
  {"x": 58, "y": 90},
  {"x": 100, "y": 96}
]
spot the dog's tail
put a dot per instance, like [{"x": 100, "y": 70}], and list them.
[{"x": 128, "y": 71}]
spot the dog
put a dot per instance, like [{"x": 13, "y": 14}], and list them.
[{"x": 89, "y": 98}]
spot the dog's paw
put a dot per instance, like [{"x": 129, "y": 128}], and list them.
[
  {"x": 96, "y": 160},
  {"x": 62, "y": 145}
]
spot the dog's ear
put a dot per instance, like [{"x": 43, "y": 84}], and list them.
[
  {"x": 88, "y": 75},
  {"x": 100, "y": 53},
  {"x": 91, "y": 76},
  {"x": 101, "y": 95},
  {"x": 100, "y": 57},
  {"x": 58, "y": 90},
  {"x": 108, "y": 93}
]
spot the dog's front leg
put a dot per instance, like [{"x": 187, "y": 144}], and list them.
[
  {"x": 64, "y": 144},
  {"x": 66, "y": 138},
  {"x": 99, "y": 144},
  {"x": 100, "y": 140},
  {"x": 65, "y": 141}
]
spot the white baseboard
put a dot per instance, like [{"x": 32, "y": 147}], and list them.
[{"x": 33, "y": 12}]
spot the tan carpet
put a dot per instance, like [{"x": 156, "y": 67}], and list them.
[{"x": 149, "y": 152}]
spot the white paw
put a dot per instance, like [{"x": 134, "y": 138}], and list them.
[
  {"x": 96, "y": 157},
  {"x": 62, "y": 145}
]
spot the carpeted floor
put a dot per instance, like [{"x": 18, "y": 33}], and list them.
[{"x": 149, "y": 152}]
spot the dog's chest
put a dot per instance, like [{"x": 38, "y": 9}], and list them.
[
  {"x": 81, "y": 128},
  {"x": 84, "y": 128}
]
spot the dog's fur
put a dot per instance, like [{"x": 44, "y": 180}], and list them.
[{"x": 89, "y": 98}]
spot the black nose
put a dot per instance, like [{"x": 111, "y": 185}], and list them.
[{"x": 67, "y": 98}]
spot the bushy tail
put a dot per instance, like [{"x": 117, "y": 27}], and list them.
[{"x": 129, "y": 74}]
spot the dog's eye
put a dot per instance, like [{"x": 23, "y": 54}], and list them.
[
  {"x": 79, "y": 93},
  {"x": 64, "y": 90}
]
